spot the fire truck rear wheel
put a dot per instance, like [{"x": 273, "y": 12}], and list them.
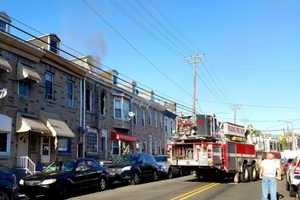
[
  {"x": 236, "y": 178},
  {"x": 245, "y": 174},
  {"x": 253, "y": 173}
]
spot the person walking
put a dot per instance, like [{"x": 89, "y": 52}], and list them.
[{"x": 269, "y": 172}]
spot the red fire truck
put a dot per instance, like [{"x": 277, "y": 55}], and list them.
[{"x": 212, "y": 149}]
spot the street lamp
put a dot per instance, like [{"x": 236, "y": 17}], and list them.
[{"x": 131, "y": 117}]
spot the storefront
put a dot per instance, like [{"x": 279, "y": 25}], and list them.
[{"x": 122, "y": 143}]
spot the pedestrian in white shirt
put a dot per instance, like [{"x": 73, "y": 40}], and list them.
[{"x": 269, "y": 171}]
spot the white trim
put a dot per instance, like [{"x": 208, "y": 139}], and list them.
[{"x": 241, "y": 155}]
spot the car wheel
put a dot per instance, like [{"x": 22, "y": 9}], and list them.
[
  {"x": 3, "y": 195},
  {"x": 155, "y": 176},
  {"x": 135, "y": 179},
  {"x": 103, "y": 184}
]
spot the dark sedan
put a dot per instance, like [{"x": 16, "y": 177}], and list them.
[
  {"x": 8, "y": 186},
  {"x": 134, "y": 168},
  {"x": 59, "y": 178}
]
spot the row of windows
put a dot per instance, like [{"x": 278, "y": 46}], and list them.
[
  {"x": 121, "y": 111},
  {"x": 24, "y": 87}
]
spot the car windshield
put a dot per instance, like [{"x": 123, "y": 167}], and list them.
[
  {"x": 161, "y": 158},
  {"x": 65, "y": 166}
]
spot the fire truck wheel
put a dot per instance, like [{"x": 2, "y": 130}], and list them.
[
  {"x": 245, "y": 174},
  {"x": 253, "y": 173},
  {"x": 236, "y": 178},
  {"x": 170, "y": 173}
]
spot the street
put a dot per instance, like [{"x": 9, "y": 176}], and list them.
[{"x": 184, "y": 188}]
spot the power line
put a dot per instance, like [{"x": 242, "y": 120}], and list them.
[
  {"x": 109, "y": 67},
  {"x": 106, "y": 22},
  {"x": 186, "y": 108}
]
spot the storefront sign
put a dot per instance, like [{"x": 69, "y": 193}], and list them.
[{"x": 122, "y": 137}]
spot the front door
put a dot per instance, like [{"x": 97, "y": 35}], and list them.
[{"x": 45, "y": 149}]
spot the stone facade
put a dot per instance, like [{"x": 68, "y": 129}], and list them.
[{"x": 26, "y": 98}]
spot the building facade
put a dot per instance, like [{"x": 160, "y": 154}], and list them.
[{"x": 40, "y": 115}]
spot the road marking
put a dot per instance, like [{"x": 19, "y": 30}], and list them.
[
  {"x": 196, "y": 191},
  {"x": 199, "y": 191}
]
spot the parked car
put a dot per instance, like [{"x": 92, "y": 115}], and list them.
[
  {"x": 62, "y": 177},
  {"x": 162, "y": 161},
  {"x": 293, "y": 177},
  {"x": 8, "y": 185},
  {"x": 134, "y": 168}
]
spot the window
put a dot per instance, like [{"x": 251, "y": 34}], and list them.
[
  {"x": 63, "y": 145},
  {"x": 115, "y": 147},
  {"x": 70, "y": 93},
  {"x": 135, "y": 117},
  {"x": 88, "y": 99},
  {"x": 3, "y": 142},
  {"x": 103, "y": 100},
  {"x": 143, "y": 118},
  {"x": 53, "y": 46},
  {"x": 92, "y": 142},
  {"x": 48, "y": 85},
  {"x": 3, "y": 26},
  {"x": 117, "y": 106},
  {"x": 155, "y": 119},
  {"x": 149, "y": 118},
  {"x": 24, "y": 88},
  {"x": 125, "y": 109}
]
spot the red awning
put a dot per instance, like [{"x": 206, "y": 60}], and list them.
[{"x": 122, "y": 137}]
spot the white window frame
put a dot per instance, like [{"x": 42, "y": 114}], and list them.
[
  {"x": 52, "y": 85},
  {"x": 97, "y": 143},
  {"x": 119, "y": 98},
  {"x": 123, "y": 116}
]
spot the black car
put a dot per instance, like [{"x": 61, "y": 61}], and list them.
[
  {"x": 62, "y": 177},
  {"x": 134, "y": 168},
  {"x": 8, "y": 186}
]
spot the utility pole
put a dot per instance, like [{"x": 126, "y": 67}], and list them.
[
  {"x": 194, "y": 60},
  {"x": 235, "y": 108}
]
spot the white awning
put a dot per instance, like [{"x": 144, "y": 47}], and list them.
[
  {"x": 59, "y": 128},
  {"x": 5, "y": 123},
  {"x": 4, "y": 65},
  {"x": 26, "y": 124},
  {"x": 28, "y": 73}
]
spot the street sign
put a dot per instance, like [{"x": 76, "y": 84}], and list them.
[{"x": 3, "y": 93}]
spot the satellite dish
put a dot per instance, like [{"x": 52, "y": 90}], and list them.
[
  {"x": 131, "y": 114},
  {"x": 3, "y": 93}
]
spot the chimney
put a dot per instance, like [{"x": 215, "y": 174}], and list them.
[
  {"x": 4, "y": 22},
  {"x": 134, "y": 90},
  {"x": 115, "y": 75},
  {"x": 152, "y": 98}
]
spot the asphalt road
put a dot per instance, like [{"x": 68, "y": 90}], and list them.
[{"x": 181, "y": 189}]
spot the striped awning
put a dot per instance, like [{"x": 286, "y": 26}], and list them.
[
  {"x": 4, "y": 65},
  {"x": 26, "y": 124},
  {"x": 59, "y": 128}
]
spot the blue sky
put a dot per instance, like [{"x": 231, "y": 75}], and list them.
[{"x": 251, "y": 47}]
